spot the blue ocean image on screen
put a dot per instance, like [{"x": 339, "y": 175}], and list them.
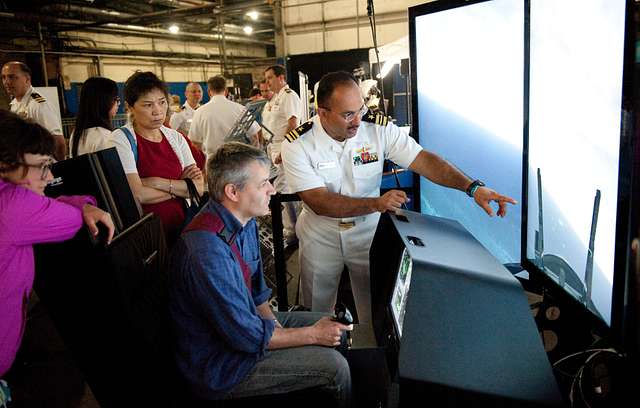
[
  {"x": 469, "y": 80},
  {"x": 479, "y": 153}
]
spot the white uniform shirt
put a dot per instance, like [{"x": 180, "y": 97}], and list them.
[
  {"x": 95, "y": 138},
  {"x": 352, "y": 168},
  {"x": 125, "y": 151},
  {"x": 213, "y": 121},
  {"x": 36, "y": 107},
  {"x": 276, "y": 114},
  {"x": 181, "y": 120}
]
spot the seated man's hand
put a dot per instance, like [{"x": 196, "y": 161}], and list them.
[
  {"x": 93, "y": 215},
  {"x": 326, "y": 332},
  {"x": 391, "y": 201},
  {"x": 483, "y": 197}
]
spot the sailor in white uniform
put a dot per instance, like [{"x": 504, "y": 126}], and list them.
[
  {"x": 16, "y": 79},
  {"x": 334, "y": 162},
  {"x": 181, "y": 120},
  {"x": 281, "y": 115}
]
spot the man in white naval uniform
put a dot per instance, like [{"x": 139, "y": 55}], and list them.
[
  {"x": 181, "y": 121},
  {"x": 16, "y": 79},
  {"x": 281, "y": 115},
  {"x": 334, "y": 162}
]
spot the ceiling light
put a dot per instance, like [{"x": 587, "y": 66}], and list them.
[
  {"x": 247, "y": 30},
  {"x": 253, "y": 15},
  {"x": 173, "y": 29}
]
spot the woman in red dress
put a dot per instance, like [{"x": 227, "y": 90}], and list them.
[{"x": 156, "y": 159}]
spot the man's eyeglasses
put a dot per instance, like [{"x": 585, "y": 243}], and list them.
[
  {"x": 45, "y": 167},
  {"x": 350, "y": 116}
]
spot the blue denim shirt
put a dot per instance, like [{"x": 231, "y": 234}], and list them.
[{"x": 219, "y": 334}]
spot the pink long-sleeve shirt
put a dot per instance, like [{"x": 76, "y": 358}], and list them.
[{"x": 27, "y": 218}]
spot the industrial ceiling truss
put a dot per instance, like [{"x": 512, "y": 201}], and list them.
[{"x": 214, "y": 31}]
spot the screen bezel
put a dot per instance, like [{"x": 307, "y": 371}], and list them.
[{"x": 615, "y": 332}]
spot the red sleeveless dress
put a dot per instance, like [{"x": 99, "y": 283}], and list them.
[{"x": 157, "y": 159}]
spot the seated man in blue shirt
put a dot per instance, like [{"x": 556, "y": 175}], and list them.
[{"x": 230, "y": 344}]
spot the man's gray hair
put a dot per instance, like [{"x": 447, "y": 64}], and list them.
[{"x": 229, "y": 165}]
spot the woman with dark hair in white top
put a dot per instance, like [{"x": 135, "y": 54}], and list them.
[{"x": 98, "y": 105}]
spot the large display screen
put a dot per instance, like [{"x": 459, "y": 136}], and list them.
[
  {"x": 401, "y": 290},
  {"x": 499, "y": 83},
  {"x": 576, "y": 54},
  {"x": 468, "y": 75}
]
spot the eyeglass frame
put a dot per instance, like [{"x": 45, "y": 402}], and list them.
[
  {"x": 350, "y": 116},
  {"x": 45, "y": 167}
]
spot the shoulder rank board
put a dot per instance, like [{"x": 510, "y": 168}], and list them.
[
  {"x": 297, "y": 132},
  {"x": 377, "y": 118},
  {"x": 37, "y": 97},
  {"x": 288, "y": 90}
]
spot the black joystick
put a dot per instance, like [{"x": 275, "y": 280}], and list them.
[{"x": 342, "y": 315}]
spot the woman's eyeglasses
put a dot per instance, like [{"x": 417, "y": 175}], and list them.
[{"x": 45, "y": 167}]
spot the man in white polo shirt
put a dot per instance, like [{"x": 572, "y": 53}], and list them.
[
  {"x": 214, "y": 120},
  {"x": 334, "y": 162}
]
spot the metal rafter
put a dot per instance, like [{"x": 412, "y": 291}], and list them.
[{"x": 198, "y": 20}]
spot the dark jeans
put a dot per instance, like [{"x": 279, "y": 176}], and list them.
[{"x": 293, "y": 369}]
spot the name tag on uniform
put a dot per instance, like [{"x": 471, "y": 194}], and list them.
[{"x": 326, "y": 165}]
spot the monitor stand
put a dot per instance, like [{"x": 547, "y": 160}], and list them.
[{"x": 468, "y": 337}]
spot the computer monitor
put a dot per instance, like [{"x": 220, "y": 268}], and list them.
[
  {"x": 467, "y": 88},
  {"x": 578, "y": 173},
  {"x": 100, "y": 175}
]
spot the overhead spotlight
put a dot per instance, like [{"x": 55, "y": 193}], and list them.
[
  {"x": 253, "y": 15},
  {"x": 173, "y": 29},
  {"x": 247, "y": 30}
]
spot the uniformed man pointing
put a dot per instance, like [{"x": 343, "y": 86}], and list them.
[
  {"x": 16, "y": 79},
  {"x": 334, "y": 162}
]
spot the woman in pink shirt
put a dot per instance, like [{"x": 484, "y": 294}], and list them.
[{"x": 27, "y": 217}]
